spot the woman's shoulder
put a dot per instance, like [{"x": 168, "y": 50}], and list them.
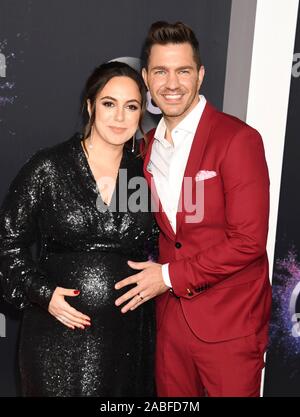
[
  {"x": 52, "y": 156},
  {"x": 45, "y": 163}
]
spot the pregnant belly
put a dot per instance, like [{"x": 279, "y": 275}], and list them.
[{"x": 94, "y": 275}]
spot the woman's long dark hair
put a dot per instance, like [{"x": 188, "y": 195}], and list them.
[{"x": 95, "y": 84}]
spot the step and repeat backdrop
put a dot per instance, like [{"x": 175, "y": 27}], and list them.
[
  {"x": 282, "y": 377},
  {"x": 47, "y": 51}
]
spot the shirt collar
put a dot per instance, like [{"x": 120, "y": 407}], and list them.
[{"x": 189, "y": 124}]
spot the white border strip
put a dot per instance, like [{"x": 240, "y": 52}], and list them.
[{"x": 269, "y": 87}]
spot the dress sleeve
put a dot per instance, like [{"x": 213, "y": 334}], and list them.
[{"x": 21, "y": 279}]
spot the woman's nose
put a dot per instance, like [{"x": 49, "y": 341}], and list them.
[{"x": 119, "y": 114}]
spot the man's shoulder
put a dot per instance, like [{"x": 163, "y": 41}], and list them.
[{"x": 230, "y": 124}]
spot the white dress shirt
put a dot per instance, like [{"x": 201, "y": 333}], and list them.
[{"x": 168, "y": 163}]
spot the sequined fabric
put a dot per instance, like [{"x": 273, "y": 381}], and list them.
[{"x": 52, "y": 201}]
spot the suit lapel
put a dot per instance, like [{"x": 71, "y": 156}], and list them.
[
  {"x": 192, "y": 167},
  {"x": 195, "y": 156}
]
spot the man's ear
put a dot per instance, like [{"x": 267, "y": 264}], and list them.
[
  {"x": 201, "y": 75},
  {"x": 145, "y": 77}
]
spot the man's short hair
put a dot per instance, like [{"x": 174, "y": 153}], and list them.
[{"x": 162, "y": 33}]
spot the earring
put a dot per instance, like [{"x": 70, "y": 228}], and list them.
[{"x": 133, "y": 143}]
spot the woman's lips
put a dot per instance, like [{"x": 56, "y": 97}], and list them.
[{"x": 116, "y": 129}]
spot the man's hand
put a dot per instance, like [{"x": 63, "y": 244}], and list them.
[{"x": 149, "y": 283}]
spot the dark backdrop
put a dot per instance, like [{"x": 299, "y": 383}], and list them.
[
  {"x": 283, "y": 358},
  {"x": 51, "y": 46}
]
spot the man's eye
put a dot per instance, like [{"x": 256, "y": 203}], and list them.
[
  {"x": 184, "y": 72},
  {"x": 160, "y": 72}
]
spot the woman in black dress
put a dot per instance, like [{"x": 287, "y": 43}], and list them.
[{"x": 70, "y": 200}]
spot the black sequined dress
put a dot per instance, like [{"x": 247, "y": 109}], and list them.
[{"x": 52, "y": 201}]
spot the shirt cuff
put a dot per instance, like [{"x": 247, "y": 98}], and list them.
[{"x": 166, "y": 276}]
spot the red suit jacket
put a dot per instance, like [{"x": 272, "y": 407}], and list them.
[{"x": 218, "y": 266}]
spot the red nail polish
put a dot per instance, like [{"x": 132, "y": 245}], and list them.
[{"x": 76, "y": 292}]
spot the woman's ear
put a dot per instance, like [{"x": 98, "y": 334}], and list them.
[{"x": 88, "y": 102}]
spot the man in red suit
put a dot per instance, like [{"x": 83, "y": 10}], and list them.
[{"x": 209, "y": 174}]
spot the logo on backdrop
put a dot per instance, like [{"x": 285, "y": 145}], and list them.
[
  {"x": 285, "y": 324},
  {"x": 294, "y": 309},
  {"x": 7, "y": 86}
]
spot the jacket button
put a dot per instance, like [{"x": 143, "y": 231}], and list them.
[
  {"x": 189, "y": 292},
  {"x": 178, "y": 245}
]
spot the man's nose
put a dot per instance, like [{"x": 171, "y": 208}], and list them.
[{"x": 172, "y": 81}]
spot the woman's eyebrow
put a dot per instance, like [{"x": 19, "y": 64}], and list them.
[{"x": 114, "y": 99}]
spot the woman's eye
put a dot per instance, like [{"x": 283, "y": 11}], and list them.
[
  {"x": 108, "y": 103},
  {"x": 132, "y": 107}
]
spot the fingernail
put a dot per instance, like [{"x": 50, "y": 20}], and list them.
[
  {"x": 88, "y": 324},
  {"x": 76, "y": 292}
]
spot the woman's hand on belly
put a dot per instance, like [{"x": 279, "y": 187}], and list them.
[{"x": 63, "y": 312}]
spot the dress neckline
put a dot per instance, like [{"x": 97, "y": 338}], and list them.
[{"x": 91, "y": 181}]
